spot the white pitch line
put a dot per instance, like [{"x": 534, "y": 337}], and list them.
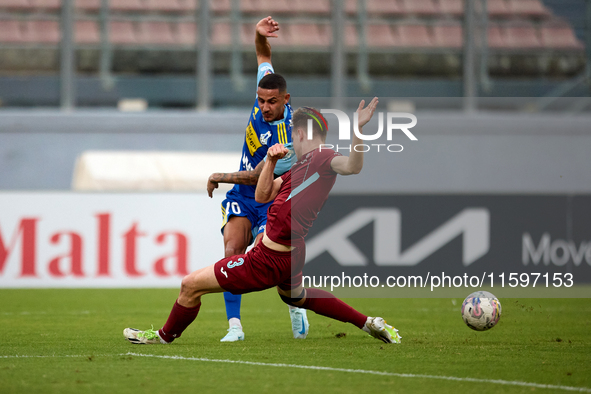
[
  {"x": 369, "y": 372},
  {"x": 317, "y": 368},
  {"x": 63, "y": 356}
]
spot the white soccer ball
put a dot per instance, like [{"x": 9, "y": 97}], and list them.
[{"x": 481, "y": 311}]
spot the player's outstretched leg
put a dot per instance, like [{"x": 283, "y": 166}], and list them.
[
  {"x": 299, "y": 322},
  {"x": 235, "y": 332},
  {"x": 179, "y": 319},
  {"x": 325, "y": 304},
  {"x": 377, "y": 328},
  {"x": 138, "y": 337},
  {"x": 184, "y": 311}
]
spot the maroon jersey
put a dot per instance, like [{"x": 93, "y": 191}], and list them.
[{"x": 302, "y": 194}]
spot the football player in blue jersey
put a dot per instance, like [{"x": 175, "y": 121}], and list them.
[{"x": 244, "y": 219}]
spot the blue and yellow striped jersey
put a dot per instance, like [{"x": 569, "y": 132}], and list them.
[{"x": 260, "y": 135}]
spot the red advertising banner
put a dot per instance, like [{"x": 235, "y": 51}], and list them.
[{"x": 106, "y": 240}]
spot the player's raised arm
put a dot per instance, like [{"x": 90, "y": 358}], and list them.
[
  {"x": 239, "y": 178},
  {"x": 267, "y": 186},
  {"x": 352, "y": 164},
  {"x": 265, "y": 28}
]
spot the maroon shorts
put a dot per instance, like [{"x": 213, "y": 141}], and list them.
[{"x": 259, "y": 269}]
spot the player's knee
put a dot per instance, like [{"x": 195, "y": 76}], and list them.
[
  {"x": 294, "y": 301},
  {"x": 190, "y": 285}
]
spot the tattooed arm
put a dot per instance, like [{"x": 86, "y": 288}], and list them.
[{"x": 240, "y": 177}]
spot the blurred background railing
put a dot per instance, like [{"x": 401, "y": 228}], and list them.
[{"x": 95, "y": 53}]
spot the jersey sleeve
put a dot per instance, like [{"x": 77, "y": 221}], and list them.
[
  {"x": 326, "y": 165},
  {"x": 283, "y": 165},
  {"x": 264, "y": 69}
]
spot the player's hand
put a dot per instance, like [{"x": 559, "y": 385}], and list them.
[
  {"x": 276, "y": 152},
  {"x": 212, "y": 184},
  {"x": 267, "y": 27},
  {"x": 365, "y": 114}
]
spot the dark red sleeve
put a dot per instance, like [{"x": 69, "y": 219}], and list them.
[
  {"x": 326, "y": 164},
  {"x": 284, "y": 176}
]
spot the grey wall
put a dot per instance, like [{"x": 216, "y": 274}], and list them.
[{"x": 455, "y": 153}]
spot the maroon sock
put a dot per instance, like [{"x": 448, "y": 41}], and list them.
[
  {"x": 325, "y": 304},
  {"x": 179, "y": 319}
]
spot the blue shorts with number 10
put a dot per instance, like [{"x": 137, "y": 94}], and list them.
[{"x": 237, "y": 204}]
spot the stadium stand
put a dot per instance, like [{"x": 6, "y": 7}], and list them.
[
  {"x": 448, "y": 35},
  {"x": 87, "y": 32},
  {"x": 186, "y": 33},
  {"x": 558, "y": 34},
  {"x": 521, "y": 35},
  {"x": 87, "y": 5},
  {"x": 380, "y": 35},
  {"x": 10, "y": 32},
  {"x": 522, "y": 23},
  {"x": 498, "y": 9},
  {"x": 451, "y": 7},
  {"x": 404, "y": 28}
]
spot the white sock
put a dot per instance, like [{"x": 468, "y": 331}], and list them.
[
  {"x": 291, "y": 307},
  {"x": 162, "y": 341},
  {"x": 366, "y": 325},
  {"x": 235, "y": 322}
]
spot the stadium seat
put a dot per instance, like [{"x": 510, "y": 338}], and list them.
[
  {"x": 351, "y": 36},
  {"x": 448, "y": 36},
  {"x": 384, "y": 7},
  {"x": 522, "y": 35},
  {"x": 377, "y": 7},
  {"x": 528, "y": 8},
  {"x": 40, "y": 31},
  {"x": 558, "y": 34},
  {"x": 272, "y": 7},
  {"x": 186, "y": 33},
  {"x": 220, "y": 6},
  {"x": 248, "y": 6},
  {"x": 10, "y": 32},
  {"x": 15, "y": 4},
  {"x": 159, "y": 33},
  {"x": 88, "y": 5},
  {"x": 311, "y": 7},
  {"x": 122, "y": 32},
  {"x": 50, "y": 5},
  {"x": 310, "y": 35},
  {"x": 497, "y": 9},
  {"x": 221, "y": 34},
  {"x": 420, "y": 7},
  {"x": 380, "y": 36},
  {"x": 351, "y": 7},
  {"x": 87, "y": 32},
  {"x": 414, "y": 36},
  {"x": 163, "y": 5},
  {"x": 188, "y": 6},
  {"x": 126, "y": 5},
  {"x": 451, "y": 7},
  {"x": 495, "y": 38}
]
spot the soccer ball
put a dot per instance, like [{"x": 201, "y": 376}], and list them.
[{"x": 481, "y": 311}]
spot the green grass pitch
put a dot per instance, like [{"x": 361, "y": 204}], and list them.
[{"x": 70, "y": 341}]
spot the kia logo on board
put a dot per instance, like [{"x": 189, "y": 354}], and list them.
[{"x": 472, "y": 223}]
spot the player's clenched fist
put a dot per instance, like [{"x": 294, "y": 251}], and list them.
[{"x": 277, "y": 151}]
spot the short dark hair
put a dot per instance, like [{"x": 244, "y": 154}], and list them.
[
  {"x": 273, "y": 81},
  {"x": 319, "y": 124}
]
